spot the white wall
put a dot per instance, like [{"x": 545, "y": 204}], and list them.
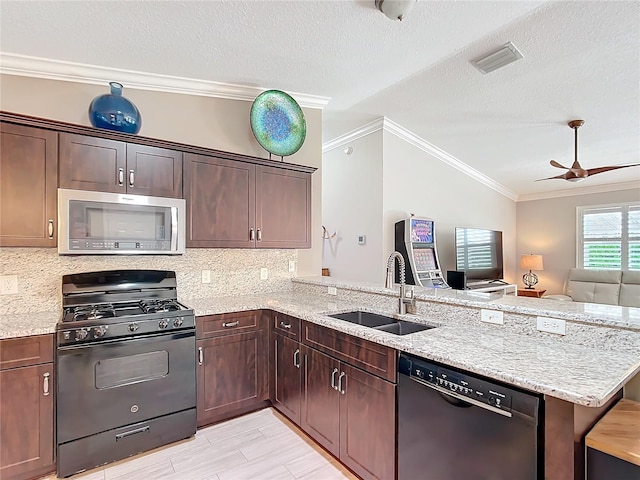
[
  {"x": 195, "y": 120},
  {"x": 548, "y": 227},
  {"x": 416, "y": 182},
  {"x": 352, "y": 206}
]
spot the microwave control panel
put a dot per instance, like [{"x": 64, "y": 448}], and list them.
[{"x": 152, "y": 245}]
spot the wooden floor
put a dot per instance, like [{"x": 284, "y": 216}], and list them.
[{"x": 259, "y": 446}]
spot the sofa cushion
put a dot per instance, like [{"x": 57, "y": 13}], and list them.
[
  {"x": 630, "y": 289},
  {"x": 594, "y": 286}
]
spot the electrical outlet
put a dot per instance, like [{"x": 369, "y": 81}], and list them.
[
  {"x": 491, "y": 316},
  {"x": 332, "y": 290},
  {"x": 264, "y": 273},
  {"x": 292, "y": 265},
  {"x": 206, "y": 276},
  {"x": 552, "y": 325},
  {"x": 8, "y": 284}
]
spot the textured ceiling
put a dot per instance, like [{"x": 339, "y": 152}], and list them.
[{"x": 581, "y": 60}]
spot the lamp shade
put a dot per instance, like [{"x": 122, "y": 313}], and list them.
[{"x": 531, "y": 262}]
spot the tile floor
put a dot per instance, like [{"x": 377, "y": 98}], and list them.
[{"x": 259, "y": 446}]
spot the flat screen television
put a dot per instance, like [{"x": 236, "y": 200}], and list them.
[{"x": 479, "y": 253}]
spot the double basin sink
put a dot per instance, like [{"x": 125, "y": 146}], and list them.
[{"x": 381, "y": 322}]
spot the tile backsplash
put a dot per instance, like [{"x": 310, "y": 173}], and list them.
[{"x": 233, "y": 272}]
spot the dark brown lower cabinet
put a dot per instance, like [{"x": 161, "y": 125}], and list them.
[
  {"x": 287, "y": 379},
  {"x": 351, "y": 413},
  {"x": 26, "y": 408},
  {"x": 232, "y": 374}
]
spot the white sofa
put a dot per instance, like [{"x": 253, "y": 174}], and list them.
[{"x": 611, "y": 287}]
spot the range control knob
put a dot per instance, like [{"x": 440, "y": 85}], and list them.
[
  {"x": 163, "y": 323},
  {"x": 81, "y": 334},
  {"x": 133, "y": 327},
  {"x": 177, "y": 322},
  {"x": 100, "y": 331}
]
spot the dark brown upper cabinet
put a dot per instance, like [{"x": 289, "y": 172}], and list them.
[
  {"x": 104, "y": 165},
  {"x": 28, "y": 183},
  {"x": 243, "y": 205}
]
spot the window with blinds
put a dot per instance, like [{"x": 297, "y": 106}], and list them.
[{"x": 609, "y": 237}]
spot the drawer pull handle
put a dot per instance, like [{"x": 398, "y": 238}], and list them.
[
  {"x": 285, "y": 325},
  {"x": 131, "y": 177},
  {"x": 231, "y": 324},
  {"x": 296, "y": 358},
  {"x": 121, "y": 177},
  {"x": 144, "y": 429},
  {"x": 200, "y": 356},
  {"x": 259, "y": 235},
  {"x": 333, "y": 379},
  {"x": 252, "y": 234},
  {"x": 45, "y": 384},
  {"x": 340, "y": 388},
  {"x": 50, "y": 228}
]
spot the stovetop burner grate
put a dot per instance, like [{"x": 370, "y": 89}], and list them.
[
  {"x": 159, "y": 305},
  {"x": 93, "y": 312}
]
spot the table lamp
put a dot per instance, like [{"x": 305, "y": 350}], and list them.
[{"x": 530, "y": 262}]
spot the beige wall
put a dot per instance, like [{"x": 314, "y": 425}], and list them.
[
  {"x": 194, "y": 120},
  {"x": 548, "y": 227}
]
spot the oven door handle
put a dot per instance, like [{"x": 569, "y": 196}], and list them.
[
  {"x": 122, "y": 435},
  {"x": 471, "y": 401}
]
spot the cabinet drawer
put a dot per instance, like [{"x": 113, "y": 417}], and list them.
[
  {"x": 286, "y": 325},
  {"x": 23, "y": 351},
  {"x": 226, "y": 323},
  {"x": 368, "y": 356}
]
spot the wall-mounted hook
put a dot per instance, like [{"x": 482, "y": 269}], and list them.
[{"x": 326, "y": 235}]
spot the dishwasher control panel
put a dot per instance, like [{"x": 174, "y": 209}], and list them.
[{"x": 458, "y": 384}]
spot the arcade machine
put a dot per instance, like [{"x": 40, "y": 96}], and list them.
[{"x": 415, "y": 239}]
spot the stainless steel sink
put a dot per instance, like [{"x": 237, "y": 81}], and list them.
[{"x": 381, "y": 322}]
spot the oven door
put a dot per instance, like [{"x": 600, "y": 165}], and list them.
[{"x": 110, "y": 384}]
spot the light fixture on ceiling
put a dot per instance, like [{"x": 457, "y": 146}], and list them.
[
  {"x": 505, "y": 55},
  {"x": 395, "y": 9}
]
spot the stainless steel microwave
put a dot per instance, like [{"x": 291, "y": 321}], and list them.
[{"x": 115, "y": 223}]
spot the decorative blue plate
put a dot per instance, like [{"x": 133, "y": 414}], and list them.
[{"x": 278, "y": 123}]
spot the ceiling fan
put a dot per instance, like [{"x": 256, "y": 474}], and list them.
[{"x": 576, "y": 173}]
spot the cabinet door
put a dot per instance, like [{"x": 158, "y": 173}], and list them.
[
  {"x": 26, "y": 421},
  {"x": 283, "y": 208},
  {"x": 220, "y": 198},
  {"x": 320, "y": 416},
  {"x": 287, "y": 362},
  {"x": 88, "y": 163},
  {"x": 28, "y": 183},
  {"x": 367, "y": 424},
  {"x": 153, "y": 171},
  {"x": 232, "y": 374}
]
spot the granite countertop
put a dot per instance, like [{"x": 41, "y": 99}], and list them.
[{"x": 575, "y": 373}]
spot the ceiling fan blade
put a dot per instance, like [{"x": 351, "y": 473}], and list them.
[
  {"x": 563, "y": 177},
  {"x": 593, "y": 171},
  {"x": 556, "y": 164}
]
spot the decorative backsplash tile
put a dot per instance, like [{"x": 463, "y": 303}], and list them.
[{"x": 233, "y": 272}]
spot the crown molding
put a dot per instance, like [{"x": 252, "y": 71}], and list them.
[
  {"x": 411, "y": 138},
  {"x": 49, "y": 69},
  {"x": 570, "y": 192}
]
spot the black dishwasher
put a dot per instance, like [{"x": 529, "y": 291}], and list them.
[{"x": 453, "y": 425}]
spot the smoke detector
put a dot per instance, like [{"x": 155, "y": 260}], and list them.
[{"x": 499, "y": 58}]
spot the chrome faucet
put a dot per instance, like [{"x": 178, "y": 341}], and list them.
[{"x": 404, "y": 300}]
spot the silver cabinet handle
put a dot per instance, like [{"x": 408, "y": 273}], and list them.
[
  {"x": 285, "y": 325},
  {"x": 120, "y": 177},
  {"x": 296, "y": 359},
  {"x": 45, "y": 384},
  {"x": 259, "y": 235},
  {"x": 333, "y": 379},
  {"x": 252, "y": 234},
  {"x": 131, "y": 177},
  {"x": 200, "y": 356},
  {"x": 340, "y": 389},
  {"x": 231, "y": 324},
  {"x": 50, "y": 228}
]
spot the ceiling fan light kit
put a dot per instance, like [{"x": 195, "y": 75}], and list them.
[
  {"x": 576, "y": 173},
  {"x": 499, "y": 58},
  {"x": 395, "y": 9}
]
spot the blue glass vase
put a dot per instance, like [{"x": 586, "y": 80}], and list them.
[{"x": 114, "y": 112}]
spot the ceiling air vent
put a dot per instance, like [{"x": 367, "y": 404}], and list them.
[{"x": 505, "y": 55}]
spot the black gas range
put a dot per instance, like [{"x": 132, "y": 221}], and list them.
[{"x": 125, "y": 350}]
